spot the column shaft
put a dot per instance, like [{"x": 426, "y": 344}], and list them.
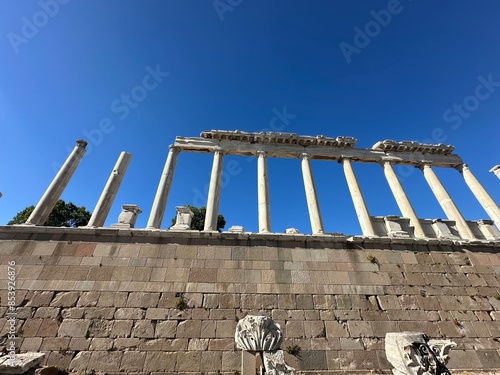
[
  {"x": 481, "y": 195},
  {"x": 357, "y": 199},
  {"x": 108, "y": 194},
  {"x": 160, "y": 201},
  {"x": 445, "y": 202},
  {"x": 214, "y": 193},
  {"x": 263, "y": 193},
  {"x": 312, "y": 198},
  {"x": 59, "y": 183},
  {"x": 402, "y": 199}
]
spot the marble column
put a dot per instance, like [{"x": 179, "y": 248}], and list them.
[
  {"x": 214, "y": 193},
  {"x": 160, "y": 201},
  {"x": 496, "y": 170},
  {"x": 445, "y": 201},
  {"x": 108, "y": 194},
  {"x": 59, "y": 183},
  {"x": 263, "y": 193},
  {"x": 481, "y": 195},
  {"x": 401, "y": 198},
  {"x": 357, "y": 199},
  {"x": 312, "y": 198}
]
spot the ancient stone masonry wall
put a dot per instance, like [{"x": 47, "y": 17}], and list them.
[{"x": 148, "y": 302}]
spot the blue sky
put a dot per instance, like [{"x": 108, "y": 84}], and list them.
[{"x": 373, "y": 70}]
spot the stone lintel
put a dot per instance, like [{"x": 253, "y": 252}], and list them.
[{"x": 319, "y": 152}]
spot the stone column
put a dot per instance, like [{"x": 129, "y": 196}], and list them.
[
  {"x": 263, "y": 193},
  {"x": 357, "y": 198},
  {"x": 108, "y": 194},
  {"x": 496, "y": 170},
  {"x": 59, "y": 183},
  {"x": 312, "y": 198},
  {"x": 160, "y": 201},
  {"x": 401, "y": 198},
  {"x": 449, "y": 208},
  {"x": 481, "y": 195},
  {"x": 214, "y": 193}
]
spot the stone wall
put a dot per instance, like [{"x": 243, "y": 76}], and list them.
[{"x": 157, "y": 302}]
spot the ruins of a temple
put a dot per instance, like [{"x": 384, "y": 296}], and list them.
[{"x": 127, "y": 300}]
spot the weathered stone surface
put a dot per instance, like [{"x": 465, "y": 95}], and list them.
[
  {"x": 74, "y": 328},
  {"x": 20, "y": 363}
]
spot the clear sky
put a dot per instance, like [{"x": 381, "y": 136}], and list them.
[{"x": 405, "y": 70}]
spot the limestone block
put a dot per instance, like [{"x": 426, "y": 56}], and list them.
[
  {"x": 394, "y": 227},
  {"x": 489, "y": 229},
  {"x": 442, "y": 230},
  {"x": 166, "y": 329},
  {"x": 291, "y": 231},
  {"x": 127, "y": 217},
  {"x": 143, "y": 329},
  {"x": 20, "y": 364},
  {"x": 236, "y": 229},
  {"x": 183, "y": 218},
  {"x": 413, "y": 353}
]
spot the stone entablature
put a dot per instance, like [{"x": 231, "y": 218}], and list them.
[
  {"x": 280, "y": 138},
  {"x": 411, "y": 146},
  {"x": 291, "y": 145}
]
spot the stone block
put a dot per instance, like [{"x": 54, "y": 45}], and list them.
[
  {"x": 143, "y": 329},
  {"x": 99, "y": 312},
  {"x": 38, "y": 298},
  {"x": 133, "y": 361},
  {"x": 174, "y": 345},
  {"x": 160, "y": 361},
  {"x": 47, "y": 312},
  {"x": 231, "y": 361},
  {"x": 211, "y": 361},
  {"x": 294, "y": 329},
  {"x": 100, "y": 328},
  {"x": 225, "y": 328},
  {"x": 121, "y": 328},
  {"x": 166, "y": 329},
  {"x": 88, "y": 299},
  {"x": 464, "y": 359},
  {"x": 351, "y": 344},
  {"x": 31, "y": 344},
  {"x": 48, "y": 328},
  {"x": 314, "y": 329},
  {"x": 127, "y": 343},
  {"x": 143, "y": 300},
  {"x": 155, "y": 313},
  {"x": 222, "y": 314},
  {"x": 101, "y": 343},
  {"x": 188, "y": 361},
  {"x": 313, "y": 360},
  {"x": 80, "y": 362},
  {"x": 359, "y": 328},
  {"x": 304, "y": 302},
  {"x": 129, "y": 313},
  {"x": 105, "y": 361},
  {"x": 358, "y": 359}
]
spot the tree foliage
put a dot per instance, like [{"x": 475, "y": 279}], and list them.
[
  {"x": 198, "y": 221},
  {"x": 63, "y": 215}
]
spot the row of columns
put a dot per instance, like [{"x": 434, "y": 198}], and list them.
[
  {"x": 52, "y": 194},
  {"x": 315, "y": 218}
]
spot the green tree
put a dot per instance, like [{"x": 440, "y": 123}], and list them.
[
  {"x": 198, "y": 221},
  {"x": 63, "y": 215}
]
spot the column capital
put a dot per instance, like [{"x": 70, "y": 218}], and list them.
[
  {"x": 495, "y": 169},
  {"x": 305, "y": 156},
  {"x": 174, "y": 148},
  {"x": 461, "y": 167},
  {"x": 423, "y": 164},
  {"x": 389, "y": 160},
  {"x": 342, "y": 158},
  {"x": 219, "y": 151},
  {"x": 81, "y": 143},
  {"x": 261, "y": 154}
]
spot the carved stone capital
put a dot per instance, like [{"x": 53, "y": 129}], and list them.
[
  {"x": 261, "y": 154},
  {"x": 413, "y": 353},
  {"x": 423, "y": 164},
  {"x": 305, "y": 156},
  {"x": 81, "y": 143},
  {"x": 258, "y": 333}
]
